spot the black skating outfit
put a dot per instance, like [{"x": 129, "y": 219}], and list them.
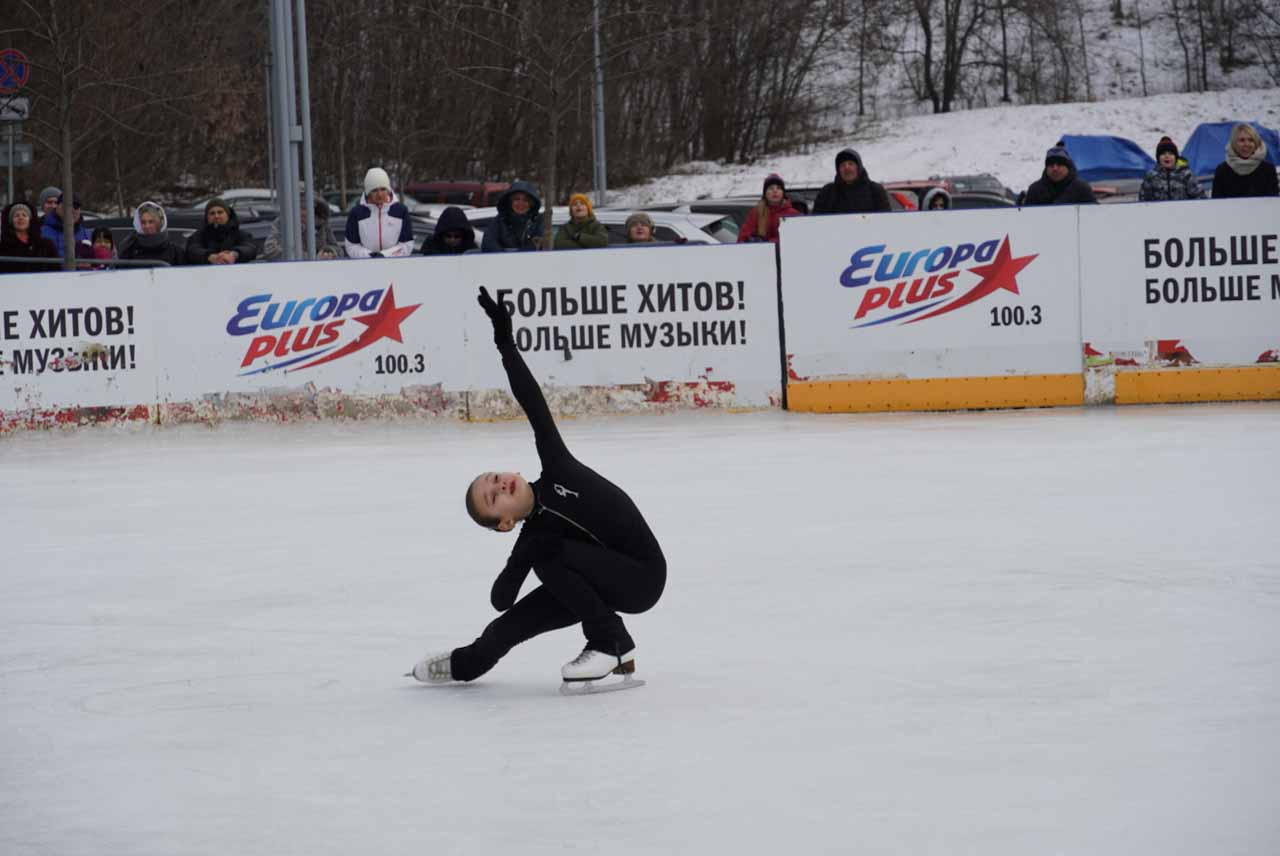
[{"x": 585, "y": 540}]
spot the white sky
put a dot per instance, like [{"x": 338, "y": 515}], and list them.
[{"x": 988, "y": 633}]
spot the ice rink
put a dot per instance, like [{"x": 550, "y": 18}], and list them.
[{"x": 999, "y": 634}]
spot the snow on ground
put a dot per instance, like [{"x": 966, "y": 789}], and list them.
[
  {"x": 1008, "y": 142},
  {"x": 975, "y": 633}
]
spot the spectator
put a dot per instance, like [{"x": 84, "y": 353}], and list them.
[
  {"x": 583, "y": 231},
  {"x": 104, "y": 245},
  {"x": 326, "y": 248},
  {"x": 639, "y": 228},
  {"x": 1171, "y": 179},
  {"x": 853, "y": 191},
  {"x": 19, "y": 237},
  {"x": 453, "y": 235},
  {"x": 936, "y": 199},
  {"x": 379, "y": 225},
  {"x": 1059, "y": 184},
  {"x": 150, "y": 237},
  {"x": 1246, "y": 171},
  {"x": 48, "y": 201},
  {"x": 220, "y": 240},
  {"x": 765, "y": 216},
  {"x": 51, "y": 227},
  {"x": 517, "y": 226}
]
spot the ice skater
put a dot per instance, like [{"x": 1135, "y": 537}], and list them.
[{"x": 583, "y": 537}]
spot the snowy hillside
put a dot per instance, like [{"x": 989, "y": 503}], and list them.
[{"x": 1008, "y": 142}]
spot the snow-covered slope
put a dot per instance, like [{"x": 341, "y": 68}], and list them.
[{"x": 1009, "y": 142}]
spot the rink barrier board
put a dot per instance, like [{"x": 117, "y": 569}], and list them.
[
  {"x": 1187, "y": 385},
  {"x": 964, "y": 393}
]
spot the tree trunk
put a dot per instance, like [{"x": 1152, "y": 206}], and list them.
[
  {"x": 1084, "y": 50},
  {"x": 68, "y": 189},
  {"x": 1142, "y": 53},
  {"x": 1182, "y": 41},
  {"x": 1004, "y": 52},
  {"x": 1204, "y": 63}
]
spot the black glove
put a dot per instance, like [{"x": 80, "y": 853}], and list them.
[
  {"x": 498, "y": 315},
  {"x": 375, "y": 255},
  {"x": 507, "y": 586}
]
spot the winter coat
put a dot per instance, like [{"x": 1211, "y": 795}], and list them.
[
  {"x": 1163, "y": 185},
  {"x": 862, "y": 196},
  {"x": 1229, "y": 184},
  {"x": 582, "y": 236},
  {"x": 452, "y": 219},
  {"x": 157, "y": 247},
  {"x": 379, "y": 231},
  {"x": 35, "y": 247},
  {"x": 511, "y": 231},
  {"x": 210, "y": 239},
  {"x": 1072, "y": 190},
  {"x": 51, "y": 228},
  {"x": 750, "y": 230}
]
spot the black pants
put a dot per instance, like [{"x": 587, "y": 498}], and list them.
[{"x": 584, "y": 583}]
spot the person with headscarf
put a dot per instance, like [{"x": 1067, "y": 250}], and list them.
[
  {"x": 1246, "y": 170},
  {"x": 936, "y": 199},
  {"x": 583, "y": 231},
  {"x": 1171, "y": 179},
  {"x": 150, "y": 237}
]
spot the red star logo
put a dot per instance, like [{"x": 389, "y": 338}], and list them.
[
  {"x": 383, "y": 324},
  {"x": 1001, "y": 273}
]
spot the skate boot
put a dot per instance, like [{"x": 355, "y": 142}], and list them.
[
  {"x": 434, "y": 669},
  {"x": 584, "y": 673},
  {"x": 592, "y": 665}
]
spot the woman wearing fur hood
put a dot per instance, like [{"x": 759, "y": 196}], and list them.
[{"x": 150, "y": 237}]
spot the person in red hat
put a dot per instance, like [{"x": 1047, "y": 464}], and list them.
[
  {"x": 1170, "y": 180},
  {"x": 763, "y": 219}
]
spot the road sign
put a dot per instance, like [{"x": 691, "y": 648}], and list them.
[
  {"x": 15, "y": 109},
  {"x": 21, "y": 155},
  {"x": 15, "y": 70}
]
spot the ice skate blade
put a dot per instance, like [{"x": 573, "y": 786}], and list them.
[{"x": 598, "y": 685}]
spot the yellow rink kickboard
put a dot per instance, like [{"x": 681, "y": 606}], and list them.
[
  {"x": 1171, "y": 386},
  {"x": 954, "y": 393}
]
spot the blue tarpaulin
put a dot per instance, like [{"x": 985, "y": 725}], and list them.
[
  {"x": 1100, "y": 158},
  {"x": 1207, "y": 146}
]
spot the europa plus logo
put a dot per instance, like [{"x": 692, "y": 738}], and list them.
[
  {"x": 314, "y": 330},
  {"x": 913, "y": 285}
]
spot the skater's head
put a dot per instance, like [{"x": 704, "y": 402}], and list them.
[{"x": 499, "y": 500}]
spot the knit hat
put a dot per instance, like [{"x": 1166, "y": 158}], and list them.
[
  {"x": 773, "y": 179},
  {"x": 1057, "y": 154},
  {"x": 1166, "y": 145},
  {"x": 15, "y": 207},
  {"x": 218, "y": 202},
  {"x": 585, "y": 200},
  {"x": 848, "y": 155},
  {"x": 639, "y": 217},
  {"x": 49, "y": 193},
  {"x": 376, "y": 178}
]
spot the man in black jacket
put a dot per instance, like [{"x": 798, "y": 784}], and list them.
[
  {"x": 853, "y": 191},
  {"x": 1059, "y": 184},
  {"x": 582, "y": 537}
]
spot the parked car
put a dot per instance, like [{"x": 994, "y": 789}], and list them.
[
  {"x": 668, "y": 227},
  {"x": 452, "y": 192}
]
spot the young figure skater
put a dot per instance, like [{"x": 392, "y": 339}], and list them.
[{"x": 582, "y": 536}]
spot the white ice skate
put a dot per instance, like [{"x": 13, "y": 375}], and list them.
[
  {"x": 434, "y": 669},
  {"x": 586, "y": 673}
]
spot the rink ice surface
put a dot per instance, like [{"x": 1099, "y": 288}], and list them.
[{"x": 1037, "y": 632}]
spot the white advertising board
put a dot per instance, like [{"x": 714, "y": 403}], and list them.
[
  {"x": 77, "y": 339},
  {"x": 932, "y": 294},
  {"x": 1182, "y": 283},
  {"x": 652, "y": 326}
]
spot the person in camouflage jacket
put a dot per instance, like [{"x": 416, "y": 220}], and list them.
[{"x": 1171, "y": 179}]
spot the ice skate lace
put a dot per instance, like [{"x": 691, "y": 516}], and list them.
[{"x": 583, "y": 657}]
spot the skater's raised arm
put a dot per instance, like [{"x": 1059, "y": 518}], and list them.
[{"x": 523, "y": 386}]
